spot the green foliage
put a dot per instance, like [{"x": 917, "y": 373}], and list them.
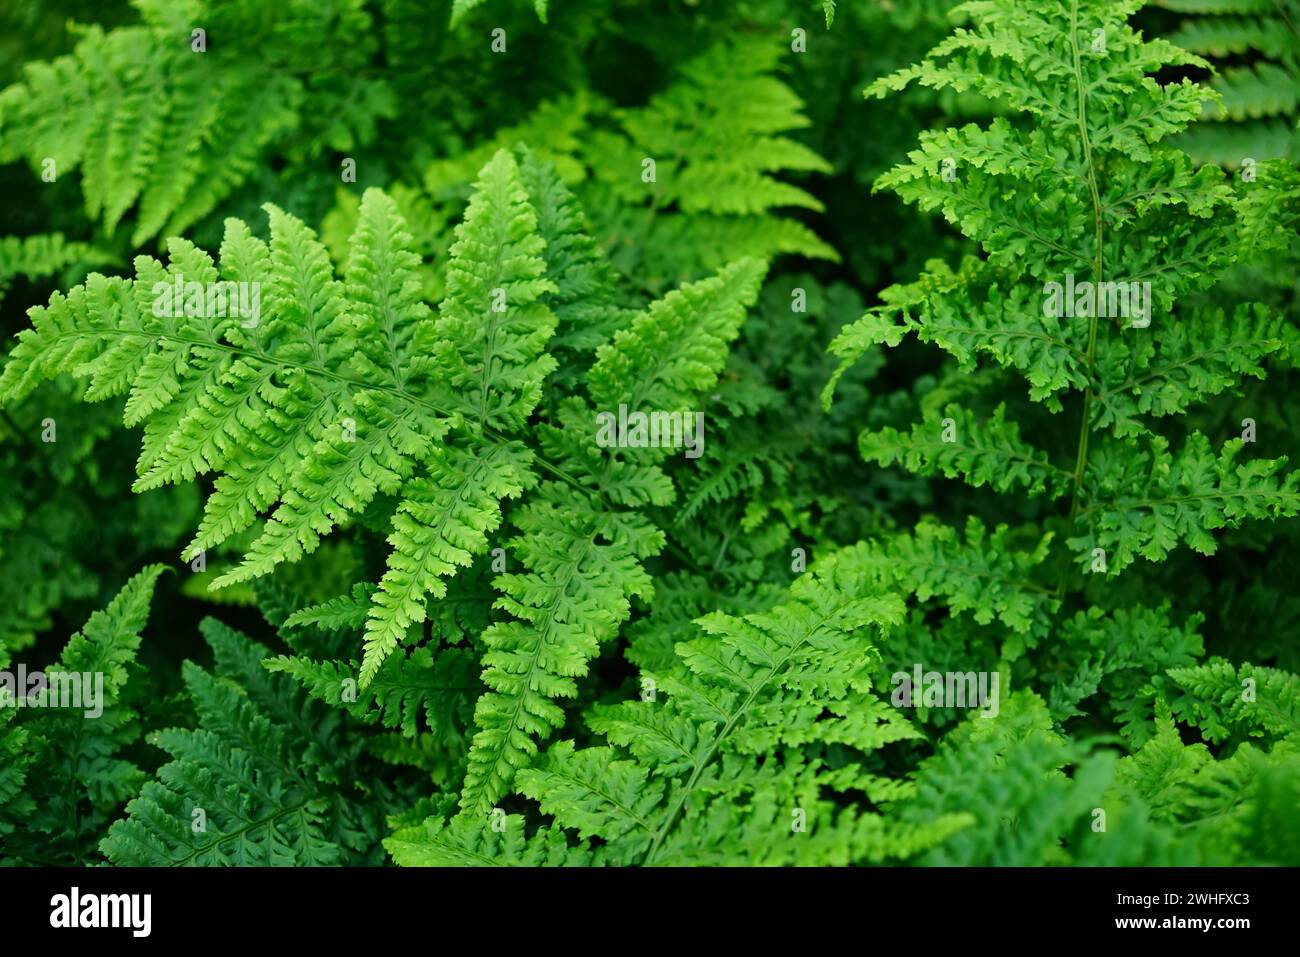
[
  {"x": 67, "y": 739},
  {"x": 957, "y": 531},
  {"x": 756, "y": 707},
  {"x": 157, "y": 122},
  {"x": 684, "y": 184},
  {"x": 1259, "y": 43},
  {"x": 265, "y": 779}
]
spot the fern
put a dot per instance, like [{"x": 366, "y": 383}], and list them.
[
  {"x": 1075, "y": 193},
  {"x": 159, "y": 125},
  {"x": 1045, "y": 456},
  {"x": 67, "y": 774},
  {"x": 1125, "y": 192},
  {"x": 276, "y": 408},
  {"x": 583, "y": 561},
  {"x": 715, "y": 137},
  {"x": 342, "y": 394},
  {"x": 1234, "y": 809},
  {"x": 1260, "y": 99},
  {"x": 674, "y": 784},
  {"x": 1259, "y": 702},
  {"x": 259, "y": 781},
  {"x": 38, "y": 256}
]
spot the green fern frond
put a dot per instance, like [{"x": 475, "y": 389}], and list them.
[
  {"x": 1097, "y": 239},
  {"x": 1120, "y": 650},
  {"x": 75, "y": 729},
  {"x": 465, "y": 842},
  {"x": 1258, "y": 43},
  {"x": 442, "y": 689},
  {"x": 976, "y": 572},
  {"x": 253, "y": 784},
  {"x": 1144, "y": 502},
  {"x": 1240, "y": 808},
  {"x": 583, "y": 563},
  {"x": 1253, "y": 700},
  {"x": 336, "y": 393},
  {"x": 44, "y": 255},
  {"x": 346, "y": 612},
  {"x": 749, "y": 686},
  {"x": 1007, "y": 773},
  {"x": 157, "y": 124},
  {"x": 1204, "y": 355},
  {"x": 956, "y": 443}
]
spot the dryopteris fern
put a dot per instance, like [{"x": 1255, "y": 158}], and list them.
[
  {"x": 1083, "y": 189},
  {"x": 1260, "y": 89},
  {"x": 266, "y": 778},
  {"x": 715, "y": 138},
  {"x": 582, "y": 555},
  {"x": 349, "y": 389},
  {"x": 524, "y": 648},
  {"x": 340, "y": 394},
  {"x": 1239, "y": 809},
  {"x": 1250, "y": 701},
  {"x": 44, "y": 255},
  {"x": 738, "y": 765},
  {"x": 685, "y": 183},
  {"x": 168, "y": 122},
  {"x": 461, "y": 8},
  {"x": 65, "y": 775}
]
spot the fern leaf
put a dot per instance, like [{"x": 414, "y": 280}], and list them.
[
  {"x": 572, "y": 599},
  {"x": 251, "y": 785},
  {"x": 1217, "y": 698},
  {"x": 330, "y": 391},
  {"x": 674, "y": 349},
  {"x": 958, "y": 444},
  {"x": 78, "y": 737},
  {"x": 467, "y": 842},
  {"x": 440, "y": 524},
  {"x": 1146, "y": 504}
]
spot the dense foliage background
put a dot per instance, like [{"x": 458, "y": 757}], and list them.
[{"x": 365, "y": 589}]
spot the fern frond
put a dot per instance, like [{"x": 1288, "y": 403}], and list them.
[
  {"x": 976, "y": 572},
  {"x": 1186, "y": 362},
  {"x": 749, "y": 686},
  {"x": 1144, "y": 504},
  {"x": 956, "y": 443},
  {"x": 1237, "y": 809},
  {"x": 441, "y": 688},
  {"x": 583, "y": 561},
  {"x": 1121, "y": 650},
  {"x": 676, "y": 348},
  {"x": 75, "y": 731},
  {"x": 156, "y": 125},
  {"x": 1220, "y": 699},
  {"x": 337, "y": 393},
  {"x": 466, "y": 842},
  {"x": 1009, "y": 775},
  {"x": 346, "y": 612},
  {"x": 253, "y": 784},
  {"x": 44, "y": 255}
]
